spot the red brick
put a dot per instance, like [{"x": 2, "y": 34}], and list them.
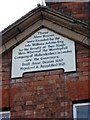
[
  {"x": 29, "y": 103},
  {"x": 28, "y": 112},
  {"x": 5, "y": 97},
  {"x": 52, "y": 77},
  {"x": 40, "y": 106},
  {"x": 41, "y": 73},
  {"x": 78, "y": 10},
  {"x": 83, "y": 78},
  {"x": 82, "y": 85},
  {"x": 18, "y": 108},
  {"x": 41, "y": 94},
  {"x": 56, "y": 72}
]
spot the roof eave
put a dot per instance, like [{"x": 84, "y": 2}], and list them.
[{"x": 41, "y": 13}]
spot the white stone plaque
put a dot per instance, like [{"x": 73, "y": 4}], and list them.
[{"x": 44, "y": 50}]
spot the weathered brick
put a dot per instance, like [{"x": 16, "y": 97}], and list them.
[
  {"x": 29, "y": 103},
  {"x": 52, "y": 77},
  {"x": 56, "y": 72},
  {"x": 40, "y": 88},
  {"x": 28, "y": 112},
  {"x": 18, "y": 108},
  {"x": 19, "y": 80},
  {"x": 41, "y": 73},
  {"x": 40, "y": 106},
  {"x": 81, "y": 78},
  {"x": 40, "y": 78},
  {"x": 47, "y": 94}
]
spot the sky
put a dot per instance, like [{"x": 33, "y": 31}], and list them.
[{"x": 12, "y": 10}]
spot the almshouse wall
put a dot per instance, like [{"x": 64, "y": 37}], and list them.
[{"x": 47, "y": 94}]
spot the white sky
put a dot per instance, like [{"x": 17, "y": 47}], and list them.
[{"x": 12, "y": 10}]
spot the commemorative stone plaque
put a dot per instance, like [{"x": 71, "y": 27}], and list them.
[{"x": 44, "y": 50}]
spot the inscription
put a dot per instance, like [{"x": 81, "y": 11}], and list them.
[{"x": 43, "y": 51}]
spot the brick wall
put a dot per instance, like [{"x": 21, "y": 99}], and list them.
[
  {"x": 48, "y": 94},
  {"x": 40, "y": 95},
  {"x": 78, "y": 10}
]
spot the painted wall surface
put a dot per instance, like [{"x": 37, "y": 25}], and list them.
[{"x": 48, "y": 94}]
